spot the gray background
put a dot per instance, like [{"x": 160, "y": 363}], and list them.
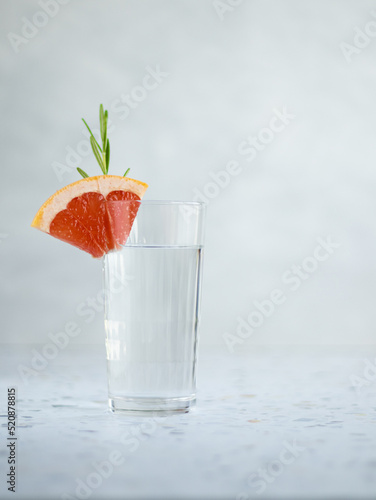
[{"x": 226, "y": 74}]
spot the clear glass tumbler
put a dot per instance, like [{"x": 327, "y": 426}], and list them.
[{"x": 152, "y": 307}]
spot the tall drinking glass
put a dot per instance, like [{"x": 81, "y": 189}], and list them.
[{"x": 152, "y": 306}]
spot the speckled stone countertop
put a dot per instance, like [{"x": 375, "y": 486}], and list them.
[{"x": 272, "y": 423}]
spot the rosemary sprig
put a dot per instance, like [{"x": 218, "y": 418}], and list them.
[
  {"x": 97, "y": 154},
  {"x": 91, "y": 134},
  {"x": 82, "y": 172},
  {"x": 102, "y": 154}
]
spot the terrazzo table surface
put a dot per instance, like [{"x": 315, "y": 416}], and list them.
[{"x": 271, "y": 423}]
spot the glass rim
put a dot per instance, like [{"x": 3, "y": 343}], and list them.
[{"x": 162, "y": 202}]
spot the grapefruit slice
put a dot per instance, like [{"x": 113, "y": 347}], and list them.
[{"x": 84, "y": 213}]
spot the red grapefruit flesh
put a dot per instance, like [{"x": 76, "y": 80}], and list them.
[{"x": 90, "y": 215}]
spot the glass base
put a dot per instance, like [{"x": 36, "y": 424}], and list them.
[{"x": 151, "y": 406}]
